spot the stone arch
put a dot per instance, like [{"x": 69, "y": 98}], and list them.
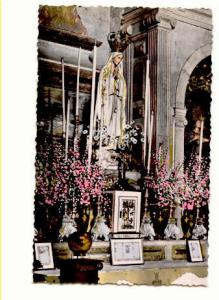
[
  {"x": 180, "y": 111},
  {"x": 197, "y": 56}
]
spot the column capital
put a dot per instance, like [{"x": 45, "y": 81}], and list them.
[
  {"x": 166, "y": 22},
  {"x": 159, "y": 19}
]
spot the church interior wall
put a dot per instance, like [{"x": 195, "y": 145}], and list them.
[
  {"x": 185, "y": 40},
  {"x": 107, "y": 19}
]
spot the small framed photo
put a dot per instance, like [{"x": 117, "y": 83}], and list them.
[
  {"x": 126, "y": 211},
  {"x": 44, "y": 255},
  {"x": 126, "y": 251},
  {"x": 194, "y": 251}
]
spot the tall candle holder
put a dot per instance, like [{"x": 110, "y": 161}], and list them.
[
  {"x": 172, "y": 231},
  {"x": 76, "y": 133},
  {"x": 69, "y": 225},
  {"x": 147, "y": 228},
  {"x": 100, "y": 229},
  {"x": 199, "y": 231}
]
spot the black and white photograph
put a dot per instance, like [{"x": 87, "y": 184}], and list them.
[{"x": 44, "y": 255}]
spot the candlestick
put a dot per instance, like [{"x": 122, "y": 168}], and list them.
[
  {"x": 201, "y": 141},
  {"x": 67, "y": 129},
  {"x": 63, "y": 97},
  {"x": 78, "y": 78},
  {"x": 173, "y": 141},
  {"x": 150, "y": 143},
  {"x": 149, "y": 109},
  {"x": 147, "y": 100},
  {"x": 92, "y": 106},
  {"x": 101, "y": 135}
]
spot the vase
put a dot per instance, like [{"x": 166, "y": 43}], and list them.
[
  {"x": 172, "y": 231},
  {"x": 199, "y": 231},
  {"x": 80, "y": 243},
  {"x": 178, "y": 217}
]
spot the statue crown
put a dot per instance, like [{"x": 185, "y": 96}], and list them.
[{"x": 118, "y": 41}]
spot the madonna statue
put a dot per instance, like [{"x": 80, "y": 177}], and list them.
[
  {"x": 110, "y": 115},
  {"x": 111, "y": 97}
]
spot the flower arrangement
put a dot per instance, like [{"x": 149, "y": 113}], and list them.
[
  {"x": 126, "y": 145},
  {"x": 196, "y": 183},
  {"x": 132, "y": 136},
  {"x": 61, "y": 180},
  {"x": 188, "y": 187},
  {"x": 129, "y": 144}
]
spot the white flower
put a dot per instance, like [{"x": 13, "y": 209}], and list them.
[
  {"x": 126, "y": 136},
  {"x": 104, "y": 129},
  {"x": 133, "y": 140},
  {"x": 85, "y": 131},
  {"x": 132, "y": 122},
  {"x": 127, "y": 126},
  {"x": 142, "y": 140},
  {"x": 96, "y": 137}
]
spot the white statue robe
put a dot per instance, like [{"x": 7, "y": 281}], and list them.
[{"x": 110, "y": 103}]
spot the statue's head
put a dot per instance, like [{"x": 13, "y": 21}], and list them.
[{"x": 117, "y": 58}]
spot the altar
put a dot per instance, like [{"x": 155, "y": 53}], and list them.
[{"x": 164, "y": 263}]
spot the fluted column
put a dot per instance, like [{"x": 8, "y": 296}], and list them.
[{"x": 159, "y": 54}]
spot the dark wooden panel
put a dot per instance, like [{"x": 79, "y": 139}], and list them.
[{"x": 67, "y": 38}]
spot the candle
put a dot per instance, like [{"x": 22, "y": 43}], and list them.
[
  {"x": 173, "y": 141},
  {"x": 149, "y": 109},
  {"x": 92, "y": 106},
  {"x": 146, "y": 104},
  {"x": 150, "y": 143},
  {"x": 67, "y": 129},
  {"x": 201, "y": 140},
  {"x": 101, "y": 135},
  {"x": 63, "y": 97},
  {"x": 78, "y": 78}
]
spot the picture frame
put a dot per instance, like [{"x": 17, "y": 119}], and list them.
[
  {"x": 126, "y": 212},
  {"x": 44, "y": 255},
  {"x": 126, "y": 251},
  {"x": 194, "y": 251}
]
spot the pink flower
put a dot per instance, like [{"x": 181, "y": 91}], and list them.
[
  {"x": 184, "y": 206},
  {"x": 87, "y": 184},
  {"x": 85, "y": 199},
  {"x": 190, "y": 206}
]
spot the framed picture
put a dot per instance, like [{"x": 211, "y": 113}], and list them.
[
  {"x": 194, "y": 251},
  {"x": 126, "y": 251},
  {"x": 126, "y": 211},
  {"x": 44, "y": 255}
]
